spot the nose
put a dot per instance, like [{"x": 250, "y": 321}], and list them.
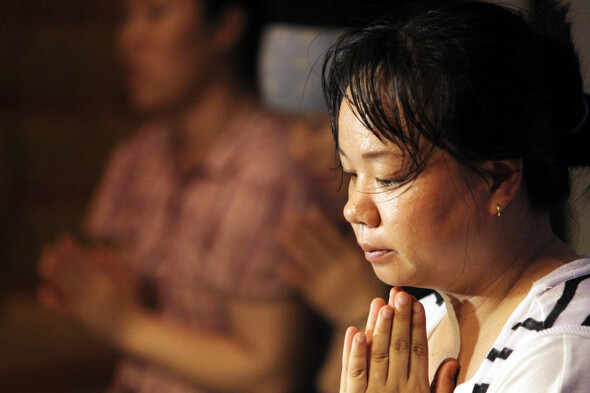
[{"x": 361, "y": 209}]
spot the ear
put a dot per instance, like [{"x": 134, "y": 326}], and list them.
[
  {"x": 229, "y": 28},
  {"x": 504, "y": 178}
]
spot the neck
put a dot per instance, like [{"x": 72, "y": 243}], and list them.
[
  {"x": 478, "y": 314},
  {"x": 520, "y": 257},
  {"x": 202, "y": 120}
]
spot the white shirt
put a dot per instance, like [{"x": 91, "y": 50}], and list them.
[{"x": 545, "y": 344}]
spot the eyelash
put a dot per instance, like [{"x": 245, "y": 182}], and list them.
[
  {"x": 387, "y": 182},
  {"x": 383, "y": 182}
]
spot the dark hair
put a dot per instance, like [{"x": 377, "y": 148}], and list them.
[
  {"x": 476, "y": 80},
  {"x": 249, "y": 43}
]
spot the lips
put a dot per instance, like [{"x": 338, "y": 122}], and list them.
[{"x": 375, "y": 254}]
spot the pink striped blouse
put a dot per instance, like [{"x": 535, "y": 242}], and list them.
[{"x": 195, "y": 237}]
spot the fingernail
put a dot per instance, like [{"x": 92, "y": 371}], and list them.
[
  {"x": 392, "y": 296},
  {"x": 402, "y": 298},
  {"x": 387, "y": 313},
  {"x": 360, "y": 338},
  {"x": 416, "y": 308}
]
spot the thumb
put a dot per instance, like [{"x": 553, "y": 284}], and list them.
[{"x": 445, "y": 377}]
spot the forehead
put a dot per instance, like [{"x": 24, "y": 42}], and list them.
[{"x": 354, "y": 138}]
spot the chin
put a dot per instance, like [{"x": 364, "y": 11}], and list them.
[
  {"x": 396, "y": 278},
  {"x": 142, "y": 103},
  {"x": 387, "y": 276},
  {"x": 147, "y": 106}
]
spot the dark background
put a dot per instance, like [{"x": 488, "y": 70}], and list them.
[{"x": 62, "y": 108}]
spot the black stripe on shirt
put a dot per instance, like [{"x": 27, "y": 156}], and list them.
[
  {"x": 439, "y": 299},
  {"x": 569, "y": 291},
  {"x": 494, "y": 354},
  {"x": 477, "y": 388},
  {"x": 530, "y": 324},
  {"x": 586, "y": 321}
]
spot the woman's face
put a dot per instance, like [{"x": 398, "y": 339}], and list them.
[
  {"x": 424, "y": 233},
  {"x": 166, "y": 51}
]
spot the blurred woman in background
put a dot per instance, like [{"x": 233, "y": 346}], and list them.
[{"x": 183, "y": 275}]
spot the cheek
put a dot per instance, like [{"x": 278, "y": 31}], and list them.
[
  {"x": 173, "y": 76},
  {"x": 453, "y": 226},
  {"x": 178, "y": 46},
  {"x": 422, "y": 219},
  {"x": 408, "y": 219},
  {"x": 177, "y": 60}
]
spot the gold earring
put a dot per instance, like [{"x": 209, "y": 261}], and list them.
[{"x": 498, "y": 210}]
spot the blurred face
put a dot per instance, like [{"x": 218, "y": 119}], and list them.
[
  {"x": 424, "y": 233},
  {"x": 167, "y": 52}
]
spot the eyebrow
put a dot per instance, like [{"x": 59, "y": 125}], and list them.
[{"x": 370, "y": 154}]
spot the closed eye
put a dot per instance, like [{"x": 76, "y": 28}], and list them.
[
  {"x": 388, "y": 182},
  {"x": 349, "y": 174}
]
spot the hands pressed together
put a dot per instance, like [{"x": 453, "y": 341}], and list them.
[
  {"x": 90, "y": 284},
  {"x": 391, "y": 356}
]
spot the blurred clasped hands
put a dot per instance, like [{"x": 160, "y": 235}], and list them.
[
  {"x": 90, "y": 284},
  {"x": 329, "y": 268}
]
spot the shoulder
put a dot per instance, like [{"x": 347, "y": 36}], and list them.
[
  {"x": 145, "y": 142},
  {"x": 551, "y": 363},
  {"x": 148, "y": 137},
  {"x": 261, "y": 132},
  {"x": 545, "y": 343},
  {"x": 559, "y": 302},
  {"x": 258, "y": 148}
]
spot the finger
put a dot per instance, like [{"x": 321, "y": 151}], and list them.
[
  {"x": 300, "y": 259},
  {"x": 380, "y": 348},
  {"x": 319, "y": 250},
  {"x": 65, "y": 242},
  {"x": 400, "y": 341},
  {"x": 104, "y": 261},
  {"x": 445, "y": 379},
  {"x": 72, "y": 273},
  {"x": 324, "y": 227},
  {"x": 325, "y": 232},
  {"x": 47, "y": 263},
  {"x": 376, "y": 305},
  {"x": 45, "y": 296},
  {"x": 349, "y": 336},
  {"x": 392, "y": 294},
  {"x": 418, "y": 373},
  {"x": 50, "y": 298},
  {"x": 102, "y": 257},
  {"x": 66, "y": 252},
  {"x": 357, "y": 365},
  {"x": 305, "y": 245}
]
